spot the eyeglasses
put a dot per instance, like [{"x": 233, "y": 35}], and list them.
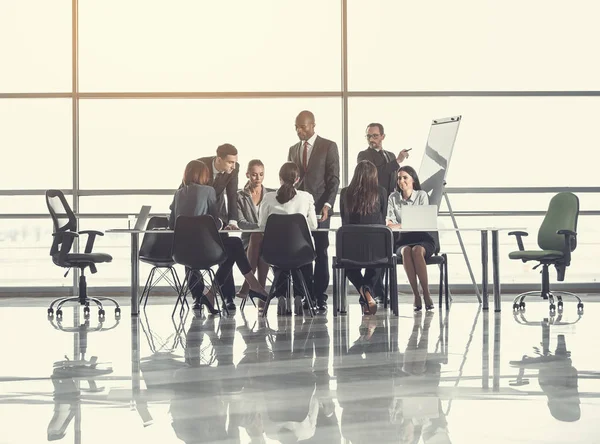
[{"x": 372, "y": 136}]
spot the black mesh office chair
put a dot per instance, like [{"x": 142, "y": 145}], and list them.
[
  {"x": 198, "y": 247},
  {"x": 441, "y": 260},
  {"x": 287, "y": 246},
  {"x": 156, "y": 251},
  {"x": 65, "y": 231},
  {"x": 364, "y": 246}
]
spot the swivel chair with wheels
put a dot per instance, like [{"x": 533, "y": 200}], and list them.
[
  {"x": 557, "y": 239},
  {"x": 65, "y": 231}
]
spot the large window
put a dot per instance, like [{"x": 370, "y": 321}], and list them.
[
  {"x": 472, "y": 45},
  {"x": 147, "y": 143},
  {"x": 36, "y": 46},
  {"x": 191, "y": 45}
]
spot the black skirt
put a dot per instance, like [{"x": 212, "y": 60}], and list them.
[{"x": 413, "y": 238}]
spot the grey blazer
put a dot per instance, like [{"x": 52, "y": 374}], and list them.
[
  {"x": 194, "y": 200},
  {"x": 322, "y": 176},
  {"x": 247, "y": 214}
]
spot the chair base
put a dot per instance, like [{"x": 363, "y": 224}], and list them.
[
  {"x": 151, "y": 282},
  {"x": 519, "y": 301},
  {"x": 82, "y": 299}
]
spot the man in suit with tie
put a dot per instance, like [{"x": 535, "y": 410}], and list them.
[
  {"x": 319, "y": 163},
  {"x": 224, "y": 179},
  {"x": 387, "y": 163}
]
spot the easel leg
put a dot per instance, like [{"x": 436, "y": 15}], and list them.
[{"x": 462, "y": 247}]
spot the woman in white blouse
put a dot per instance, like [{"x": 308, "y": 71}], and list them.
[
  {"x": 415, "y": 247},
  {"x": 286, "y": 200}
]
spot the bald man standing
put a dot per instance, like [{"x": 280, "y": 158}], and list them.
[{"x": 319, "y": 163}]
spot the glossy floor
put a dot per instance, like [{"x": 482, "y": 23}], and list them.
[{"x": 462, "y": 376}]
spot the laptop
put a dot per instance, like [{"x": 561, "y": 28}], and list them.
[
  {"x": 140, "y": 223},
  {"x": 419, "y": 217}
]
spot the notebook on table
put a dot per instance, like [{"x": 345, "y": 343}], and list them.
[{"x": 419, "y": 217}]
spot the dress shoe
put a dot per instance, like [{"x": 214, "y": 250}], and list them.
[
  {"x": 230, "y": 306},
  {"x": 322, "y": 306}
]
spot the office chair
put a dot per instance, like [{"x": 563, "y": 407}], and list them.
[
  {"x": 156, "y": 251},
  {"x": 557, "y": 239},
  {"x": 198, "y": 247},
  {"x": 65, "y": 231},
  {"x": 364, "y": 246},
  {"x": 288, "y": 246},
  {"x": 441, "y": 260}
]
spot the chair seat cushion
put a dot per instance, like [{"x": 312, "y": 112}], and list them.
[
  {"x": 158, "y": 261},
  {"x": 347, "y": 263},
  {"x": 433, "y": 260},
  {"x": 87, "y": 258},
  {"x": 536, "y": 255}
]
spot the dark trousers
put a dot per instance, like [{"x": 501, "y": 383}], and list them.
[
  {"x": 369, "y": 279},
  {"x": 235, "y": 254},
  {"x": 320, "y": 277},
  {"x": 280, "y": 280}
]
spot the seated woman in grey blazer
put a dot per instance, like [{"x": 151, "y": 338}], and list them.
[
  {"x": 195, "y": 198},
  {"x": 286, "y": 200},
  {"x": 364, "y": 202},
  {"x": 248, "y": 202},
  {"x": 416, "y": 246}
]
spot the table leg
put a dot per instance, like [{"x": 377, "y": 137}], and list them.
[
  {"x": 485, "y": 357},
  {"x": 496, "y": 376},
  {"x": 496, "y": 271},
  {"x": 343, "y": 288},
  {"x": 484, "y": 269},
  {"x": 135, "y": 273}
]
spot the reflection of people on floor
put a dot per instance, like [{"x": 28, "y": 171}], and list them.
[
  {"x": 364, "y": 392},
  {"x": 200, "y": 402},
  {"x": 417, "y": 407},
  {"x": 557, "y": 377}
]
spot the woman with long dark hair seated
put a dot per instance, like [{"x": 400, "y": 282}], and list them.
[
  {"x": 364, "y": 202},
  {"x": 287, "y": 200},
  {"x": 195, "y": 198},
  {"x": 417, "y": 246}
]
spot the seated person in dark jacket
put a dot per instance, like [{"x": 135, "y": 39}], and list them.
[
  {"x": 195, "y": 198},
  {"x": 364, "y": 202}
]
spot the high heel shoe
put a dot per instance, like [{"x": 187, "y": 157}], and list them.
[
  {"x": 211, "y": 309},
  {"x": 429, "y": 307},
  {"x": 417, "y": 308},
  {"x": 369, "y": 300},
  {"x": 255, "y": 294}
]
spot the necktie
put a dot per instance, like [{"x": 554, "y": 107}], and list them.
[{"x": 305, "y": 155}]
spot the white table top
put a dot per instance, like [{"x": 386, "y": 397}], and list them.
[{"x": 258, "y": 230}]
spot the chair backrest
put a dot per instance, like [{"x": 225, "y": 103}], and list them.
[
  {"x": 287, "y": 241},
  {"x": 562, "y": 214},
  {"x": 196, "y": 242},
  {"x": 364, "y": 245},
  {"x": 63, "y": 217},
  {"x": 157, "y": 246}
]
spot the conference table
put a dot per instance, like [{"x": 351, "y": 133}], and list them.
[{"x": 484, "y": 233}]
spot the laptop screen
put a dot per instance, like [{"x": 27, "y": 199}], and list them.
[{"x": 140, "y": 223}]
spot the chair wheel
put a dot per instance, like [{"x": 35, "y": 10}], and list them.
[
  {"x": 59, "y": 313},
  {"x": 522, "y": 305},
  {"x": 50, "y": 311},
  {"x": 580, "y": 306},
  {"x": 552, "y": 308},
  {"x": 117, "y": 312},
  {"x": 101, "y": 313},
  {"x": 515, "y": 306}
]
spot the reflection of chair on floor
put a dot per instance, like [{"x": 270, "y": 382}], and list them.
[
  {"x": 65, "y": 232},
  {"x": 557, "y": 239},
  {"x": 557, "y": 376},
  {"x": 66, "y": 378}
]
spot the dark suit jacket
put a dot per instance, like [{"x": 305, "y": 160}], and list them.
[
  {"x": 375, "y": 218},
  {"x": 387, "y": 167},
  {"x": 322, "y": 178},
  {"x": 226, "y": 184}
]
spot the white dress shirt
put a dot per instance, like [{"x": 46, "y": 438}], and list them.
[{"x": 302, "y": 203}]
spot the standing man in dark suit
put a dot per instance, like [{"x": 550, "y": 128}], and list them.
[
  {"x": 224, "y": 179},
  {"x": 319, "y": 163},
  {"x": 387, "y": 163}
]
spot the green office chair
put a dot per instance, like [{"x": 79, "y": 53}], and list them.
[{"x": 557, "y": 239}]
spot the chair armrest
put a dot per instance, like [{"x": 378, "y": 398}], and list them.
[
  {"x": 570, "y": 243},
  {"x": 519, "y": 235},
  {"x": 89, "y": 245}
]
